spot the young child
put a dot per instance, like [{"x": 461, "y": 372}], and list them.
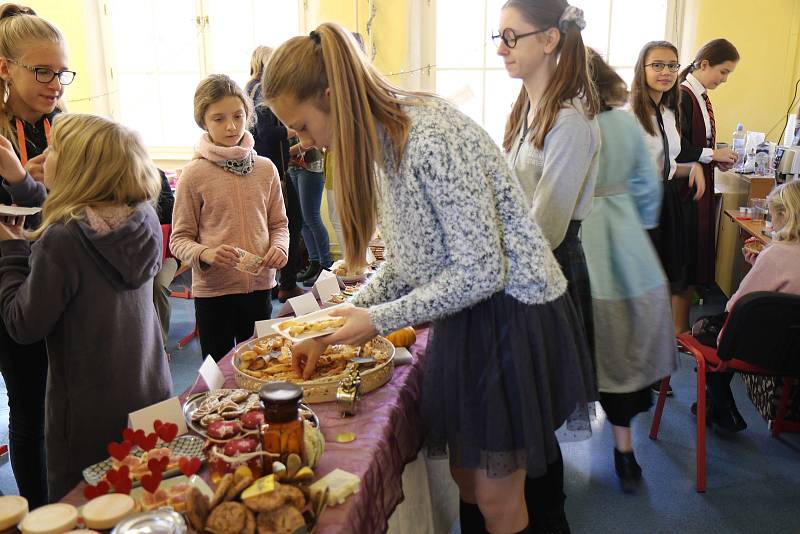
[
  {"x": 86, "y": 286},
  {"x": 552, "y": 141},
  {"x": 33, "y": 73},
  {"x": 461, "y": 252},
  {"x": 629, "y": 290},
  {"x": 774, "y": 269},
  {"x": 228, "y": 199}
]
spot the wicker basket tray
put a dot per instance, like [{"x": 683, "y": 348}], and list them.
[{"x": 322, "y": 390}]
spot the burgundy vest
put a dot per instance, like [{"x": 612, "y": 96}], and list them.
[{"x": 706, "y": 214}]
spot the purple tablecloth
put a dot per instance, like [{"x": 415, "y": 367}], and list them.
[{"x": 389, "y": 434}]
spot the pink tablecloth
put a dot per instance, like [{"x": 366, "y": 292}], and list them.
[{"x": 389, "y": 434}]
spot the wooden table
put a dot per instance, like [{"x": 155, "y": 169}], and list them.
[{"x": 748, "y": 226}]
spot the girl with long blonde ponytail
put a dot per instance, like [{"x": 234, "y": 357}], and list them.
[{"x": 461, "y": 252}]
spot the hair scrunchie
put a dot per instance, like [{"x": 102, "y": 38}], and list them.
[
  {"x": 315, "y": 36},
  {"x": 572, "y": 15}
]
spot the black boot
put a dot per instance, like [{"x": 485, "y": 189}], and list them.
[
  {"x": 311, "y": 278},
  {"x": 544, "y": 498},
  {"x": 313, "y": 267},
  {"x": 470, "y": 518},
  {"x": 628, "y": 470}
]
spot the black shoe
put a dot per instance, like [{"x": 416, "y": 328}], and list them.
[
  {"x": 708, "y": 411},
  {"x": 312, "y": 270},
  {"x": 656, "y": 387},
  {"x": 728, "y": 418},
  {"x": 311, "y": 279},
  {"x": 470, "y": 518},
  {"x": 628, "y": 470},
  {"x": 285, "y": 294}
]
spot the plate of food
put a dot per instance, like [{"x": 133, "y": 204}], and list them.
[
  {"x": 172, "y": 492},
  {"x": 316, "y": 324},
  {"x": 204, "y": 411},
  {"x": 342, "y": 296},
  {"x": 183, "y": 446},
  {"x": 269, "y": 359},
  {"x": 350, "y": 275}
]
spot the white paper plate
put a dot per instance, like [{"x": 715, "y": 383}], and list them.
[
  {"x": 16, "y": 210},
  {"x": 315, "y": 316}
]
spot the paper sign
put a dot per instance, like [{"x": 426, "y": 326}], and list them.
[
  {"x": 264, "y": 328},
  {"x": 326, "y": 285},
  {"x": 211, "y": 373},
  {"x": 16, "y": 210},
  {"x": 168, "y": 411},
  {"x": 402, "y": 356},
  {"x": 304, "y": 304},
  {"x": 370, "y": 256}
]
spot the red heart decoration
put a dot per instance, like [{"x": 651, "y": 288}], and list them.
[
  {"x": 90, "y": 492},
  {"x": 189, "y": 466},
  {"x": 119, "y": 451},
  {"x": 151, "y": 481},
  {"x": 123, "y": 485},
  {"x": 116, "y": 475},
  {"x": 146, "y": 442},
  {"x": 129, "y": 435},
  {"x": 166, "y": 431},
  {"x": 158, "y": 465}
]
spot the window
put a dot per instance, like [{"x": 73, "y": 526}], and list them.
[
  {"x": 469, "y": 72},
  {"x": 161, "y": 50}
]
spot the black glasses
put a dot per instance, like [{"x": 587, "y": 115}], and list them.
[
  {"x": 658, "y": 66},
  {"x": 510, "y": 38},
  {"x": 46, "y": 74}
]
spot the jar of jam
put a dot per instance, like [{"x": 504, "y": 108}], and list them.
[{"x": 282, "y": 431}]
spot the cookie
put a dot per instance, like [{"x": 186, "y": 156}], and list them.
[
  {"x": 222, "y": 489},
  {"x": 197, "y": 509},
  {"x": 283, "y": 520},
  {"x": 227, "y": 518},
  {"x": 238, "y": 487},
  {"x": 250, "y": 523}
]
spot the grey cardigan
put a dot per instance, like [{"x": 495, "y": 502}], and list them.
[{"x": 456, "y": 227}]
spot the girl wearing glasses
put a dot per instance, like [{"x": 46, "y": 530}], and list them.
[
  {"x": 33, "y": 73},
  {"x": 501, "y": 369},
  {"x": 714, "y": 62},
  {"x": 552, "y": 142},
  {"x": 655, "y": 101}
]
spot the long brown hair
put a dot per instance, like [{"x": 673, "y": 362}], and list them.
[
  {"x": 612, "y": 91},
  {"x": 715, "y": 52},
  {"x": 360, "y": 98},
  {"x": 20, "y": 28},
  {"x": 641, "y": 102},
  {"x": 571, "y": 78}
]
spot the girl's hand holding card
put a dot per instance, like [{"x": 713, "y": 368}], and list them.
[{"x": 12, "y": 227}]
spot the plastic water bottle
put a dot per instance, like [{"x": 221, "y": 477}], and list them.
[{"x": 739, "y": 137}]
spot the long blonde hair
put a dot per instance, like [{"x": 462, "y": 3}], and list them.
[
  {"x": 258, "y": 61},
  {"x": 100, "y": 163},
  {"x": 785, "y": 199},
  {"x": 20, "y": 28},
  {"x": 360, "y": 98},
  {"x": 570, "y": 80}
]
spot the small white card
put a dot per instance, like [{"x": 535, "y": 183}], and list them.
[
  {"x": 327, "y": 284},
  {"x": 212, "y": 374},
  {"x": 304, "y": 304},
  {"x": 264, "y": 328},
  {"x": 168, "y": 411},
  {"x": 16, "y": 210},
  {"x": 402, "y": 356}
]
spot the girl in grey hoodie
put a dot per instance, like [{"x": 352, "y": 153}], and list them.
[{"x": 85, "y": 286}]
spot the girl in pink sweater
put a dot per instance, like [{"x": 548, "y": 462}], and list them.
[
  {"x": 774, "y": 269},
  {"x": 228, "y": 200}
]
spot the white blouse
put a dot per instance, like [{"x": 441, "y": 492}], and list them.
[
  {"x": 656, "y": 147},
  {"x": 697, "y": 88}
]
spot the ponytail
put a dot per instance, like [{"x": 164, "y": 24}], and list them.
[{"x": 359, "y": 98}]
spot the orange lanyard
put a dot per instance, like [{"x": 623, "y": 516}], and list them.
[{"x": 23, "y": 149}]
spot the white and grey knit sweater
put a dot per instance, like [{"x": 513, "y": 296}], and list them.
[{"x": 455, "y": 225}]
